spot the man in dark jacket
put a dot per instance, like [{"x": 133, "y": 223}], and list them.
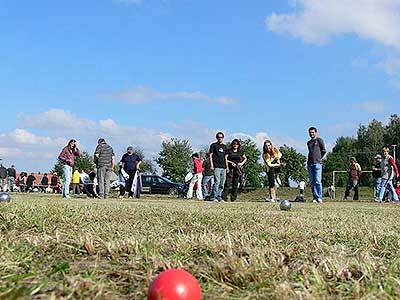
[
  {"x": 12, "y": 176},
  {"x": 3, "y": 178},
  {"x": 316, "y": 151}
]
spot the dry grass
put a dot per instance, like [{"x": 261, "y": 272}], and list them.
[{"x": 84, "y": 249}]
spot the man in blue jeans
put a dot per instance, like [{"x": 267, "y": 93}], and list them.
[
  {"x": 316, "y": 151},
  {"x": 218, "y": 152}
]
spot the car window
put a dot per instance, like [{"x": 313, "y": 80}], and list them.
[
  {"x": 146, "y": 179},
  {"x": 158, "y": 180}
]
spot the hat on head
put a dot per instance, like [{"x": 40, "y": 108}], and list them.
[
  {"x": 353, "y": 159},
  {"x": 101, "y": 140}
]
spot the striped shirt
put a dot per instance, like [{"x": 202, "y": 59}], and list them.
[{"x": 105, "y": 153}]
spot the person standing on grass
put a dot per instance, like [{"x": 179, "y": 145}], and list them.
[
  {"x": 197, "y": 177},
  {"x": 316, "y": 151},
  {"x": 377, "y": 175},
  {"x": 130, "y": 162},
  {"x": 389, "y": 172},
  {"x": 3, "y": 178},
  {"x": 67, "y": 157},
  {"x": 208, "y": 179},
  {"x": 104, "y": 159},
  {"x": 219, "y": 165},
  {"x": 354, "y": 172},
  {"x": 272, "y": 159},
  {"x": 12, "y": 177},
  {"x": 235, "y": 159},
  {"x": 76, "y": 179}
]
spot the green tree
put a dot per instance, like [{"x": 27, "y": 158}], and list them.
[
  {"x": 295, "y": 168},
  {"x": 84, "y": 162},
  {"x": 174, "y": 159}
]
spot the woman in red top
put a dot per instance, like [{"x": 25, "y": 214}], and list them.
[{"x": 197, "y": 177}]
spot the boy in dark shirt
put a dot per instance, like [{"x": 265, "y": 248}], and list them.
[{"x": 218, "y": 152}]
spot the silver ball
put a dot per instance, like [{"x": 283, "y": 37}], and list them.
[
  {"x": 5, "y": 197},
  {"x": 285, "y": 205}
]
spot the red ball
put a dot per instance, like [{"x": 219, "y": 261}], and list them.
[{"x": 174, "y": 284}]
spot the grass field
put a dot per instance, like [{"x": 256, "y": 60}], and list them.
[{"x": 112, "y": 249}]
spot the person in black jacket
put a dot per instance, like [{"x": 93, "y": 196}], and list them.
[{"x": 316, "y": 151}]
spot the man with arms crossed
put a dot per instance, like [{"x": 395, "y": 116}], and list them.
[
  {"x": 218, "y": 162},
  {"x": 316, "y": 151},
  {"x": 104, "y": 158}
]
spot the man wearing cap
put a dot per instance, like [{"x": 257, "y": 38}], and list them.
[
  {"x": 377, "y": 174},
  {"x": 104, "y": 159},
  {"x": 130, "y": 162},
  {"x": 354, "y": 172}
]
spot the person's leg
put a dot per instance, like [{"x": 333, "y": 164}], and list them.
[
  {"x": 189, "y": 194},
  {"x": 355, "y": 187},
  {"x": 67, "y": 172},
  {"x": 377, "y": 183},
  {"x": 349, "y": 185},
  {"x": 222, "y": 183},
  {"x": 227, "y": 187},
  {"x": 217, "y": 181},
  {"x": 199, "y": 192},
  {"x": 382, "y": 189},
  {"x": 212, "y": 184},
  {"x": 235, "y": 183},
  {"x": 310, "y": 168},
  {"x": 392, "y": 191},
  {"x": 121, "y": 190},
  {"x": 100, "y": 180},
  {"x": 271, "y": 184},
  {"x": 318, "y": 181},
  {"x": 107, "y": 179},
  {"x": 129, "y": 182}
]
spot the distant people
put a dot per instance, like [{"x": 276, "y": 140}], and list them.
[
  {"x": 44, "y": 183},
  {"x": 235, "y": 158},
  {"x": 21, "y": 181},
  {"x": 67, "y": 157},
  {"x": 12, "y": 177},
  {"x": 354, "y": 172},
  {"x": 104, "y": 159},
  {"x": 76, "y": 180},
  {"x": 90, "y": 186},
  {"x": 197, "y": 177},
  {"x": 130, "y": 162},
  {"x": 218, "y": 153},
  {"x": 3, "y": 178},
  {"x": 30, "y": 183},
  {"x": 208, "y": 179},
  {"x": 377, "y": 175},
  {"x": 316, "y": 151},
  {"x": 272, "y": 159},
  {"x": 55, "y": 183},
  {"x": 389, "y": 172},
  {"x": 398, "y": 188}
]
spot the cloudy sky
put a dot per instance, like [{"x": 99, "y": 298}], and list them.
[{"x": 138, "y": 72}]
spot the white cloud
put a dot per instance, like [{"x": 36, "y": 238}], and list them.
[
  {"x": 317, "y": 21},
  {"x": 372, "y": 107},
  {"x": 141, "y": 94}
]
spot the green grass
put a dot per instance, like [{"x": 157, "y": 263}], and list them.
[{"x": 112, "y": 249}]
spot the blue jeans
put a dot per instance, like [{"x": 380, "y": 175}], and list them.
[
  {"x": 387, "y": 184},
  {"x": 67, "y": 174},
  {"x": 315, "y": 174},
  {"x": 377, "y": 184},
  {"x": 208, "y": 179},
  {"x": 219, "y": 183}
]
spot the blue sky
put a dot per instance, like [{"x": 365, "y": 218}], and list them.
[{"x": 140, "y": 72}]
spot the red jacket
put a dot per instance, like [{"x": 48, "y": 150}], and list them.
[{"x": 198, "y": 166}]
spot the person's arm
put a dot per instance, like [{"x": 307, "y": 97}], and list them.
[
  {"x": 322, "y": 147},
  {"x": 96, "y": 154},
  {"x": 211, "y": 158},
  {"x": 226, "y": 163},
  {"x": 244, "y": 160},
  {"x": 393, "y": 163},
  {"x": 138, "y": 165},
  {"x": 112, "y": 162}
]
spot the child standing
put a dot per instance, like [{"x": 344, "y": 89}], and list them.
[{"x": 197, "y": 177}]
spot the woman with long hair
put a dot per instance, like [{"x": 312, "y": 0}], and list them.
[{"x": 272, "y": 158}]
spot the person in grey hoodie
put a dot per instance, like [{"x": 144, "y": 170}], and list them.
[{"x": 316, "y": 151}]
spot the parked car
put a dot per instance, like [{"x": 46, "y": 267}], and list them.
[{"x": 154, "y": 184}]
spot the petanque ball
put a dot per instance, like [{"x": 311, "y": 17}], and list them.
[
  {"x": 5, "y": 197},
  {"x": 285, "y": 205},
  {"x": 174, "y": 284}
]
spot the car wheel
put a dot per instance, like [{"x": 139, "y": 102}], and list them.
[{"x": 173, "y": 191}]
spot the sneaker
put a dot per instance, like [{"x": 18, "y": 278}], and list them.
[
  {"x": 269, "y": 200},
  {"x": 222, "y": 200},
  {"x": 214, "y": 200},
  {"x": 315, "y": 201},
  {"x": 378, "y": 201},
  {"x": 121, "y": 197},
  {"x": 345, "y": 198},
  {"x": 319, "y": 201}
]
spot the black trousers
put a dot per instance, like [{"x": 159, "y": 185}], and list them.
[
  {"x": 231, "y": 185},
  {"x": 352, "y": 184}
]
